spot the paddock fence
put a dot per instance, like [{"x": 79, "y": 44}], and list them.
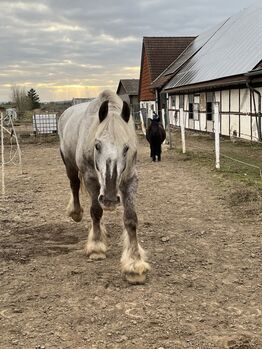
[{"x": 242, "y": 158}]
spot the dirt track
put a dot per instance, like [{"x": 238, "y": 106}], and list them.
[{"x": 204, "y": 290}]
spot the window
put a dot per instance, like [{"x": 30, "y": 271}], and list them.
[
  {"x": 209, "y": 106},
  {"x": 196, "y": 107},
  {"x": 196, "y": 111},
  {"x": 209, "y": 111},
  {"x": 191, "y": 106},
  {"x": 173, "y": 102}
]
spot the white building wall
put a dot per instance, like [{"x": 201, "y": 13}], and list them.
[
  {"x": 245, "y": 123},
  {"x": 234, "y": 101},
  {"x": 234, "y": 108},
  {"x": 202, "y": 121},
  {"x": 197, "y": 125},
  {"x": 245, "y": 127},
  {"x": 217, "y": 96},
  {"x": 244, "y": 101},
  {"x": 236, "y": 105},
  {"x": 186, "y": 106},
  {"x": 225, "y": 107},
  {"x": 150, "y": 106}
]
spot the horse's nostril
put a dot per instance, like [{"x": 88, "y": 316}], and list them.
[
  {"x": 101, "y": 198},
  {"x": 118, "y": 199}
]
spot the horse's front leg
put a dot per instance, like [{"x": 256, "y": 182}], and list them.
[
  {"x": 134, "y": 265},
  {"x": 96, "y": 242},
  {"x": 74, "y": 209}
]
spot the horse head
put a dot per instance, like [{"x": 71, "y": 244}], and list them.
[{"x": 111, "y": 153}]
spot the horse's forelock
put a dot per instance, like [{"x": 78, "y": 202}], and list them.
[{"x": 113, "y": 126}]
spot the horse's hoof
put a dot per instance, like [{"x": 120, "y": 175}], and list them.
[
  {"x": 96, "y": 256},
  {"x": 77, "y": 217},
  {"x": 135, "y": 279}
]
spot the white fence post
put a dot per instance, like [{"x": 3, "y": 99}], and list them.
[
  {"x": 182, "y": 127},
  {"x": 142, "y": 123},
  {"x": 217, "y": 133}
]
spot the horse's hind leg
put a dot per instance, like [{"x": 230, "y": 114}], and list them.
[
  {"x": 74, "y": 209},
  {"x": 96, "y": 242},
  {"x": 134, "y": 265}
]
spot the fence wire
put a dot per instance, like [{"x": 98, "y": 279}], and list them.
[{"x": 222, "y": 154}]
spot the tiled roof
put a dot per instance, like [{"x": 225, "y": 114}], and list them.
[{"x": 161, "y": 51}]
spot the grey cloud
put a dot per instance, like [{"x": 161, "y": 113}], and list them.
[{"x": 39, "y": 36}]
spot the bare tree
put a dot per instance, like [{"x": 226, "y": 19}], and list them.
[{"x": 20, "y": 100}]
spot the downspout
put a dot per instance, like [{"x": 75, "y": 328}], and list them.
[{"x": 258, "y": 113}]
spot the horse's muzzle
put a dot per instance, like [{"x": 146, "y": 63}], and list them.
[{"x": 109, "y": 204}]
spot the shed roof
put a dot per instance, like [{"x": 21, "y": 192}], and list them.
[
  {"x": 231, "y": 48},
  {"x": 131, "y": 86}
]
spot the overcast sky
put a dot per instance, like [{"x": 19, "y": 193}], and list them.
[{"x": 66, "y": 48}]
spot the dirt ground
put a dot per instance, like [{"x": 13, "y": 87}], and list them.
[{"x": 204, "y": 289}]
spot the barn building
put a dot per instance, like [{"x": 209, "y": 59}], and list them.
[
  {"x": 157, "y": 54},
  {"x": 221, "y": 65}
]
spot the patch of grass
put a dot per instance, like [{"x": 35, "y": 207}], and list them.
[
  {"x": 200, "y": 150},
  {"x": 243, "y": 195}
]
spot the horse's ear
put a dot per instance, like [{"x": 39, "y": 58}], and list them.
[
  {"x": 125, "y": 112},
  {"x": 103, "y": 111}
]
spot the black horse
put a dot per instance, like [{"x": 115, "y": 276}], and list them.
[{"x": 155, "y": 134}]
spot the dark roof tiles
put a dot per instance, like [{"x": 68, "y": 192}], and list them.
[
  {"x": 131, "y": 86},
  {"x": 161, "y": 51}
]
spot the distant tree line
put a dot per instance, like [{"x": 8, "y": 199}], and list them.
[{"x": 24, "y": 100}]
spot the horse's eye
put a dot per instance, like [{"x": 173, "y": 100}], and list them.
[
  {"x": 126, "y": 147},
  {"x": 98, "y": 147}
]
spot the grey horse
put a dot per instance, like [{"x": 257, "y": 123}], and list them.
[{"x": 99, "y": 149}]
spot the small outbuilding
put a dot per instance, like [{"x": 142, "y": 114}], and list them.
[{"x": 128, "y": 90}]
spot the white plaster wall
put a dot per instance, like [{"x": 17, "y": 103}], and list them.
[
  {"x": 148, "y": 105},
  {"x": 191, "y": 124},
  {"x": 186, "y": 102},
  {"x": 186, "y": 119},
  {"x": 245, "y": 120},
  {"x": 254, "y": 129},
  {"x": 254, "y": 105},
  {"x": 217, "y": 96},
  {"x": 210, "y": 126},
  {"x": 202, "y": 121},
  {"x": 234, "y": 107},
  {"x": 244, "y": 100},
  {"x": 245, "y": 129},
  {"x": 234, "y": 124},
  {"x": 197, "y": 124},
  {"x": 225, "y": 100},
  {"x": 225, "y": 124},
  {"x": 177, "y": 102}
]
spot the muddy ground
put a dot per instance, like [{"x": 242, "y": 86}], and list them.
[{"x": 204, "y": 290}]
